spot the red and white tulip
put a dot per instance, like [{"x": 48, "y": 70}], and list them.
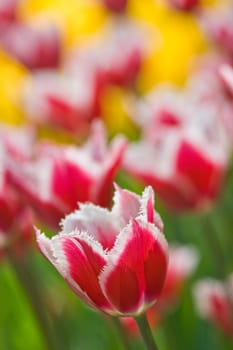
[
  {"x": 116, "y": 260},
  {"x": 35, "y": 47},
  {"x": 214, "y": 301},
  {"x": 63, "y": 101},
  {"x": 182, "y": 154},
  {"x": 62, "y": 176},
  {"x": 218, "y": 24},
  {"x": 16, "y": 220}
]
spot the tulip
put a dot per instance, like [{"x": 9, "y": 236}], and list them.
[
  {"x": 214, "y": 301},
  {"x": 62, "y": 176},
  {"x": 218, "y": 25},
  {"x": 35, "y": 47},
  {"x": 183, "y": 156},
  {"x": 216, "y": 70},
  {"x": 61, "y": 100},
  {"x": 15, "y": 217},
  {"x": 116, "y": 260},
  {"x": 121, "y": 59}
]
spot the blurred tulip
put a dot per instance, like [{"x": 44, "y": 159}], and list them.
[
  {"x": 117, "y": 6},
  {"x": 15, "y": 218},
  {"x": 214, "y": 302},
  {"x": 35, "y": 47},
  {"x": 183, "y": 155},
  {"x": 216, "y": 94},
  {"x": 115, "y": 55},
  {"x": 114, "y": 260},
  {"x": 62, "y": 176},
  {"x": 62, "y": 101},
  {"x": 184, "y": 5},
  {"x": 218, "y": 23},
  {"x": 182, "y": 262},
  {"x": 121, "y": 58},
  {"x": 8, "y": 10}
]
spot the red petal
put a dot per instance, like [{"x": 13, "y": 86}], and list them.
[
  {"x": 190, "y": 161},
  {"x": 137, "y": 268},
  {"x": 154, "y": 261},
  {"x": 104, "y": 188},
  {"x": 85, "y": 264},
  {"x": 122, "y": 288},
  {"x": 71, "y": 184}
]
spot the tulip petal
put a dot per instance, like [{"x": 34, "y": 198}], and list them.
[
  {"x": 103, "y": 190},
  {"x": 85, "y": 259},
  {"x": 155, "y": 261},
  {"x": 97, "y": 221},
  {"x": 190, "y": 160},
  {"x": 137, "y": 264},
  {"x": 44, "y": 245},
  {"x": 78, "y": 186},
  {"x": 126, "y": 204},
  {"x": 147, "y": 208}
]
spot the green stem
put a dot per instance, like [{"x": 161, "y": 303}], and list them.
[
  {"x": 29, "y": 284},
  {"x": 146, "y": 333},
  {"x": 122, "y": 333},
  {"x": 215, "y": 247}
]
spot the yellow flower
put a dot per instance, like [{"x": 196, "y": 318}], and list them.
[
  {"x": 175, "y": 40},
  {"x": 77, "y": 19},
  {"x": 12, "y": 77},
  {"x": 115, "y": 112}
]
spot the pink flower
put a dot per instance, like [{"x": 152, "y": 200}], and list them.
[
  {"x": 183, "y": 156},
  {"x": 214, "y": 301},
  {"x": 115, "y": 5},
  {"x": 216, "y": 70},
  {"x": 68, "y": 100},
  {"x": 114, "y": 260},
  {"x": 62, "y": 100},
  {"x": 15, "y": 217},
  {"x": 8, "y": 13},
  {"x": 185, "y": 5},
  {"x": 62, "y": 176},
  {"x": 121, "y": 57},
  {"x": 218, "y": 24},
  {"x": 35, "y": 47}
]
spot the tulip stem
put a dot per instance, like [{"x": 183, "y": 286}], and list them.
[
  {"x": 215, "y": 248},
  {"x": 122, "y": 334},
  {"x": 146, "y": 333},
  {"x": 29, "y": 285}
]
